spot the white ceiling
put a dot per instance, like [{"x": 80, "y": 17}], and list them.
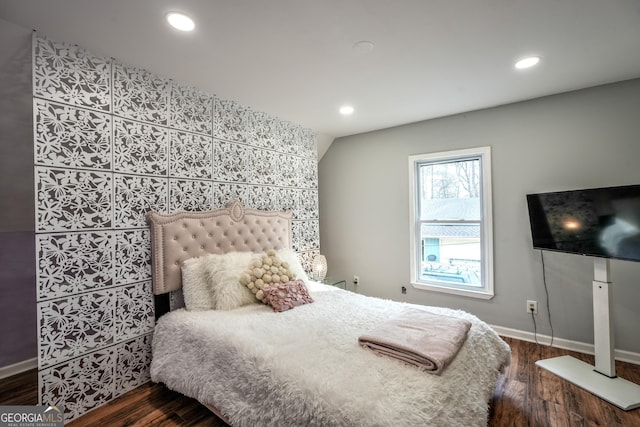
[{"x": 294, "y": 58}]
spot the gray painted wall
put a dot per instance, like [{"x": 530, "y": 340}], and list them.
[
  {"x": 587, "y": 138},
  {"x": 17, "y": 241}
]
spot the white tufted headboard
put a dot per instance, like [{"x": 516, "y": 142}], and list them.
[{"x": 177, "y": 237}]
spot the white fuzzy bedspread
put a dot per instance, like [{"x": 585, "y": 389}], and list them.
[{"x": 304, "y": 367}]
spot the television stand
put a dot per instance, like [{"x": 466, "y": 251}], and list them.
[{"x": 600, "y": 379}]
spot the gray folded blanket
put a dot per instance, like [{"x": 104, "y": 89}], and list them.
[{"x": 420, "y": 338}]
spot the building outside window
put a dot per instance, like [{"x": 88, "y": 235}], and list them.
[{"x": 451, "y": 227}]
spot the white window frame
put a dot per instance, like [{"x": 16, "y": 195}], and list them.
[{"x": 486, "y": 222}]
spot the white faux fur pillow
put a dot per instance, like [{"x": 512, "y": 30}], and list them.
[
  {"x": 195, "y": 285},
  {"x": 211, "y": 282},
  {"x": 291, "y": 257},
  {"x": 223, "y": 272}
]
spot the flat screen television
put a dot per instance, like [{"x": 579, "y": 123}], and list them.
[{"x": 600, "y": 222}]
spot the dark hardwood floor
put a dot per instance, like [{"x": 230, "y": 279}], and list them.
[
  {"x": 21, "y": 389},
  {"x": 525, "y": 395}
]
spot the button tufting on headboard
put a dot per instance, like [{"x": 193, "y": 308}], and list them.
[{"x": 177, "y": 237}]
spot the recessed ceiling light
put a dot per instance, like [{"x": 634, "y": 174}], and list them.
[
  {"x": 345, "y": 110},
  {"x": 527, "y": 62},
  {"x": 180, "y": 21}
]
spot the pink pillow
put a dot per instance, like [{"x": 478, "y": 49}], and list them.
[{"x": 285, "y": 296}]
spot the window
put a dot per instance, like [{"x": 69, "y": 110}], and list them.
[{"x": 451, "y": 229}]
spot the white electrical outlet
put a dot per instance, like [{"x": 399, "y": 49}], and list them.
[
  {"x": 532, "y": 306},
  {"x": 356, "y": 280}
]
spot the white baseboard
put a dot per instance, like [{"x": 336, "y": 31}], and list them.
[
  {"x": 16, "y": 368},
  {"x": 580, "y": 347}
]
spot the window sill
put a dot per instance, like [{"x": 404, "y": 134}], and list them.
[{"x": 480, "y": 294}]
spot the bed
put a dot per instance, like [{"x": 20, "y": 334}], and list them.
[{"x": 304, "y": 366}]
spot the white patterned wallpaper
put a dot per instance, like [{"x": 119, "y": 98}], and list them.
[{"x": 111, "y": 143}]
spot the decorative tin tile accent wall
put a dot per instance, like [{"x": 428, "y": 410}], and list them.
[{"x": 112, "y": 142}]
